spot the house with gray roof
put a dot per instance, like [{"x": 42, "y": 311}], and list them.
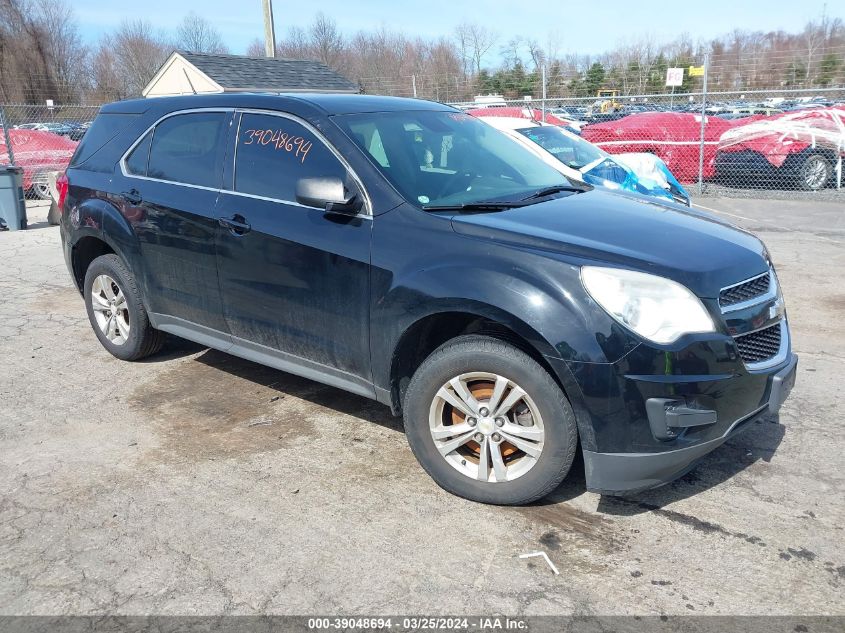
[{"x": 200, "y": 73}]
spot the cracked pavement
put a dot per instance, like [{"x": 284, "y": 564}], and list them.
[{"x": 197, "y": 483}]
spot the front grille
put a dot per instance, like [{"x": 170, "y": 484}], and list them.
[
  {"x": 745, "y": 291},
  {"x": 760, "y": 345}
]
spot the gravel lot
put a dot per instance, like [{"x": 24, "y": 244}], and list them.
[{"x": 198, "y": 483}]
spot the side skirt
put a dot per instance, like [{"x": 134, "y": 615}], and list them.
[{"x": 263, "y": 355}]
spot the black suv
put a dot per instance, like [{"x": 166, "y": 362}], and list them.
[{"x": 407, "y": 252}]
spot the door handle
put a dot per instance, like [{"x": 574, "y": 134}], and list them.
[
  {"x": 237, "y": 224},
  {"x": 133, "y": 196}
]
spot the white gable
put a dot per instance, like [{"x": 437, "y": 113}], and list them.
[{"x": 179, "y": 77}]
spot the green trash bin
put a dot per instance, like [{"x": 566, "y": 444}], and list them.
[{"x": 12, "y": 202}]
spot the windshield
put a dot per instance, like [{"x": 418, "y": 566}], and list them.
[
  {"x": 448, "y": 158},
  {"x": 568, "y": 148}
]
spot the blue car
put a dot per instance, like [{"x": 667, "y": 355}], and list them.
[{"x": 641, "y": 173}]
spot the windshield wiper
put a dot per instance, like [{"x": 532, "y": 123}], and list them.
[
  {"x": 474, "y": 206},
  {"x": 542, "y": 193}
]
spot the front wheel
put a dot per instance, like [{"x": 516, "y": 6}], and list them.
[{"x": 488, "y": 423}]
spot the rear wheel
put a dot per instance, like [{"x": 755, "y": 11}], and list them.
[
  {"x": 814, "y": 173},
  {"x": 488, "y": 423},
  {"x": 116, "y": 311}
]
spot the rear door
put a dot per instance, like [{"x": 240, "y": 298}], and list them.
[
  {"x": 294, "y": 279},
  {"x": 173, "y": 176}
]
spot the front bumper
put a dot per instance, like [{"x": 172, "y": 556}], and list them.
[{"x": 617, "y": 473}]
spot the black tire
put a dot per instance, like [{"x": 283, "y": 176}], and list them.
[
  {"x": 814, "y": 173},
  {"x": 143, "y": 339},
  {"x": 474, "y": 353}
]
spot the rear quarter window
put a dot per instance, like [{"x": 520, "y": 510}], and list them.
[{"x": 104, "y": 128}]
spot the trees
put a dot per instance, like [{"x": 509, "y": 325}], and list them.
[
  {"x": 42, "y": 56},
  {"x": 41, "y": 52},
  {"x": 195, "y": 34},
  {"x": 130, "y": 57}
]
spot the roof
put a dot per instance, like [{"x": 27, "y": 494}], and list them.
[
  {"x": 267, "y": 74},
  {"x": 508, "y": 122},
  {"x": 330, "y": 104}
]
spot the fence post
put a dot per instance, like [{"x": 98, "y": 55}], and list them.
[
  {"x": 703, "y": 119},
  {"x": 543, "y": 73},
  {"x": 6, "y": 138}
]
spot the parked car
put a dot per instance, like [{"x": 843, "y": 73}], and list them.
[
  {"x": 799, "y": 149},
  {"x": 38, "y": 153},
  {"x": 529, "y": 114},
  {"x": 60, "y": 129},
  {"x": 407, "y": 252},
  {"x": 582, "y": 161},
  {"x": 673, "y": 136}
]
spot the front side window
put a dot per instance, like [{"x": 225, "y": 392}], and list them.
[
  {"x": 274, "y": 152},
  {"x": 187, "y": 148},
  {"x": 436, "y": 158}
]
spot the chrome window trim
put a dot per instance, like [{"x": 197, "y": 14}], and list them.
[
  {"x": 770, "y": 294},
  {"x": 782, "y": 353},
  {"x": 368, "y": 207},
  {"x": 367, "y": 202},
  {"x": 138, "y": 140}
]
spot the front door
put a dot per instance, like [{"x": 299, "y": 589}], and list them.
[{"x": 294, "y": 279}]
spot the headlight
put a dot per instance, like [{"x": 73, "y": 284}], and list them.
[{"x": 656, "y": 308}]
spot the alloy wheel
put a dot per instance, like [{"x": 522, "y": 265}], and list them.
[
  {"x": 487, "y": 427},
  {"x": 815, "y": 173},
  {"x": 110, "y": 309}
]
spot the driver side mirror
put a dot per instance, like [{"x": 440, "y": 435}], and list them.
[{"x": 328, "y": 193}]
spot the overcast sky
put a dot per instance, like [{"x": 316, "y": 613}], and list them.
[{"x": 582, "y": 27}]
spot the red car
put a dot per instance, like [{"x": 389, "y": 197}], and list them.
[
  {"x": 532, "y": 114},
  {"x": 802, "y": 149},
  {"x": 38, "y": 153},
  {"x": 673, "y": 136}
]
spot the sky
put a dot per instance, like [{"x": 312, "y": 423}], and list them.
[{"x": 578, "y": 29}]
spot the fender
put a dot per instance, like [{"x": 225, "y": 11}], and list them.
[
  {"x": 534, "y": 305},
  {"x": 101, "y": 218}
]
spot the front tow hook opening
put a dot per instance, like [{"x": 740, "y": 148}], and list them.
[{"x": 669, "y": 417}]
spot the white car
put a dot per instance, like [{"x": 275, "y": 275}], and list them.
[{"x": 581, "y": 161}]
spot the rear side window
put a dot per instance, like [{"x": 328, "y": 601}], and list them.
[
  {"x": 104, "y": 128},
  {"x": 187, "y": 148},
  {"x": 274, "y": 152}
]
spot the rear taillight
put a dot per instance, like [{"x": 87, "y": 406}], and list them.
[{"x": 62, "y": 185}]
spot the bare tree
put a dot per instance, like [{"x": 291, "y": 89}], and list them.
[
  {"x": 326, "y": 41},
  {"x": 41, "y": 53},
  {"x": 195, "y": 34},
  {"x": 256, "y": 48},
  {"x": 478, "y": 41},
  {"x": 138, "y": 53}
]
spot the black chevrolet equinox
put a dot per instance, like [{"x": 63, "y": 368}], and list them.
[{"x": 407, "y": 252}]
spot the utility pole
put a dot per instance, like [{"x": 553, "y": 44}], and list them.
[{"x": 269, "y": 29}]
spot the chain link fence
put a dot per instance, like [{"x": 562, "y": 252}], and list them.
[
  {"x": 783, "y": 142},
  {"x": 41, "y": 139},
  {"x": 786, "y": 143}
]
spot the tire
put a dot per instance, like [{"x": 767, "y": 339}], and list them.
[
  {"x": 477, "y": 361},
  {"x": 130, "y": 335},
  {"x": 814, "y": 173}
]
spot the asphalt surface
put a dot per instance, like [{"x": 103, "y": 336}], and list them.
[{"x": 197, "y": 483}]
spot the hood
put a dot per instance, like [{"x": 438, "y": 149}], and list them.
[{"x": 689, "y": 246}]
